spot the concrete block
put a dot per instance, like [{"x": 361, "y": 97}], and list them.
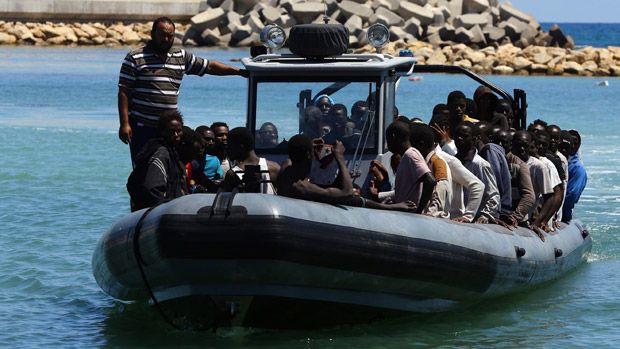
[
  {"x": 241, "y": 32},
  {"x": 447, "y": 32},
  {"x": 208, "y": 19},
  {"x": 439, "y": 18},
  {"x": 463, "y": 36},
  {"x": 408, "y": 10},
  {"x": 388, "y": 18},
  {"x": 210, "y": 37},
  {"x": 214, "y": 3},
  {"x": 243, "y": 6},
  {"x": 397, "y": 33},
  {"x": 228, "y": 6},
  {"x": 478, "y": 36},
  {"x": 252, "y": 39},
  {"x": 507, "y": 11},
  {"x": 350, "y": 8},
  {"x": 286, "y": 21},
  {"x": 413, "y": 26},
  {"x": 353, "y": 41},
  {"x": 354, "y": 24},
  {"x": 455, "y": 7},
  {"x": 391, "y": 5},
  {"x": 493, "y": 34},
  {"x": 270, "y": 14},
  {"x": 475, "y": 6},
  {"x": 306, "y": 12},
  {"x": 255, "y": 23},
  {"x": 467, "y": 21}
]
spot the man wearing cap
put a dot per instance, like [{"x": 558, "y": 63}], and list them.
[{"x": 149, "y": 83}]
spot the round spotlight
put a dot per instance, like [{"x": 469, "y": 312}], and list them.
[
  {"x": 273, "y": 37},
  {"x": 378, "y": 35}
]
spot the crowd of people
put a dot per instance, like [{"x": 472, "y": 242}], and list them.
[
  {"x": 464, "y": 165},
  {"x": 467, "y": 164}
]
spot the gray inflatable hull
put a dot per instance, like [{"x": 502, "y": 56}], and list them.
[{"x": 267, "y": 260}]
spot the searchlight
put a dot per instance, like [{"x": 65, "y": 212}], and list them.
[
  {"x": 273, "y": 37},
  {"x": 378, "y": 36}
]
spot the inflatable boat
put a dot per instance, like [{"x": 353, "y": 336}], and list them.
[
  {"x": 258, "y": 260},
  {"x": 273, "y": 262}
]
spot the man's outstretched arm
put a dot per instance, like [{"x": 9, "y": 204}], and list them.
[{"x": 218, "y": 68}]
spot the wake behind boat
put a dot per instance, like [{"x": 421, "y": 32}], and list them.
[{"x": 248, "y": 259}]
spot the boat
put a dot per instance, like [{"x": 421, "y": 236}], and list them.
[{"x": 267, "y": 261}]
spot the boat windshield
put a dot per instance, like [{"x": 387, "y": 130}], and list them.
[{"x": 330, "y": 110}]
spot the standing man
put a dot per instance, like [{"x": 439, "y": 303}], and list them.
[{"x": 149, "y": 83}]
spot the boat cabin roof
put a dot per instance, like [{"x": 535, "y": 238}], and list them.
[{"x": 341, "y": 65}]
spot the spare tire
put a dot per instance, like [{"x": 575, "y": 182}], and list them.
[{"x": 316, "y": 41}]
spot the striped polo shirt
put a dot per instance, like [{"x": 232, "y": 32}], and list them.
[{"x": 154, "y": 83}]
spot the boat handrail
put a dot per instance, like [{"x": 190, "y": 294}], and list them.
[{"x": 347, "y": 56}]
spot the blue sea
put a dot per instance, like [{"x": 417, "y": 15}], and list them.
[
  {"x": 62, "y": 184},
  {"x": 590, "y": 34}
]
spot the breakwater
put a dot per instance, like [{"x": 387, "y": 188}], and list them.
[{"x": 482, "y": 35}]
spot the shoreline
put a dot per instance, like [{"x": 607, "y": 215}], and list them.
[{"x": 505, "y": 59}]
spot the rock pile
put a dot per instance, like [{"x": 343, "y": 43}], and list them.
[
  {"x": 49, "y": 33},
  {"x": 476, "y": 23},
  {"x": 508, "y": 59},
  {"x": 481, "y": 35}
]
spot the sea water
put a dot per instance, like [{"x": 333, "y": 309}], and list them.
[{"x": 62, "y": 184}]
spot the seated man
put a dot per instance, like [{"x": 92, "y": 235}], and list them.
[
  {"x": 294, "y": 180},
  {"x": 495, "y": 155},
  {"x": 267, "y": 136},
  {"x": 414, "y": 181},
  {"x": 359, "y": 114},
  {"x": 577, "y": 176},
  {"x": 324, "y": 103},
  {"x": 247, "y": 163},
  {"x": 467, "y": 189},
  {"x": 159, "y": 175},
  {"x": 465, "y": 138},
  {"x": 523, "y": 200},
  {"x": 553, "y": 202},
  {"x": 220, "y": 131},
  {"x": 311, "y": 121},
  {"x": 422, "y": 139}
]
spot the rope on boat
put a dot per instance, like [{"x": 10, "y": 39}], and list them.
[{"x": 140, "y": 262}]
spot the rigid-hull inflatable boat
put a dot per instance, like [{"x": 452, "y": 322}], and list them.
[{"x": 268, "y": 261}]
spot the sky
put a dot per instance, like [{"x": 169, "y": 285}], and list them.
[{"x": 571, "y": 11}]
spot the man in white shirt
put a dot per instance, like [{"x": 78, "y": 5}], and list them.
[
  {"x": 465, "y": 137},
  {"x": 463, "y": 181}
]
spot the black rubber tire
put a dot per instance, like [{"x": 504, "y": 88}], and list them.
[{"x": 316, "y": 41}]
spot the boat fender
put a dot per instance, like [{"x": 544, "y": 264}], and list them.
[
  {"x": 585, "y": 233},
  {"x": 558, "y": 252},
  {"x": 520, "y": 251},
  {"x": 141, "y": 263}
]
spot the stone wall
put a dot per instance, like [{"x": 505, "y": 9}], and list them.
[{"x": 98, "y": 10}]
